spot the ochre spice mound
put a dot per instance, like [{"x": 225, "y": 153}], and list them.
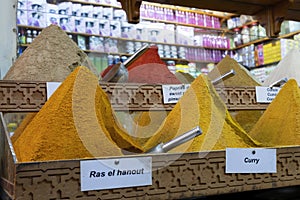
[
  {"x": 246, "y": 118},
  {"x": 76, "y": 122},
  {"x": 241, "y": 78},
  {"x": 201, "y": 106},
  {"x": 280, "y": 123}
]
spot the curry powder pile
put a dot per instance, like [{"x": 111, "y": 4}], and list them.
[
  {"x": 76, "y": 122},
  {"x": 280, "y": 123},
  {"x": 201, "y": 106},
  {"x": 246, "y": 118}
]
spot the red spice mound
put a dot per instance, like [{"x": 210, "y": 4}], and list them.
[{"x": 149, "y": 68}]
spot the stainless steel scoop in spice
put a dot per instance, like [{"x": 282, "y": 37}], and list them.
[
  {"x": 231, "y": 72},
  {"x": 164, "y": 148},
  {"x": 279, "y": 83}
]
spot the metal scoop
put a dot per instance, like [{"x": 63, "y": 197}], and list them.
[
  {"x": 164, "y": 148},
  {"x": 231, "y": 72},
  {"x": 279, "y": 83}
]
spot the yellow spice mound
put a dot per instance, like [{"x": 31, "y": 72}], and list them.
[
  {"x": 147, "y": 123},
  {"x": 76, "y": 122},
  {"x": 201, "y": 106},
  {"x": 280, "y": 123}
]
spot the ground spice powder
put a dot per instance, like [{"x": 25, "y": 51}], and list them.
[
  {"x": 201, "y": 106},
  {"x": 246, "y": 118},
  {"x": 149, "y": 68},
  {"x": 76, "y": 122},
  {"x": 280, "y": 123},
  {"x": 27, "y": 119},
  {"x": 185, "y": 78},
  {"x": 52, "y": 56},
  {"x": 242, "y": 76}
]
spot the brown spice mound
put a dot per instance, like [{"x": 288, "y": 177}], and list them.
[
  {"x": 52, "y": 56},
  {"x": 241, "y": 78},
  {"x": 76, "y": 122},
  {"x": 280, "y": 123},
  {"x": 184, "y": 78},
  {"x": 201, "y": 106}
]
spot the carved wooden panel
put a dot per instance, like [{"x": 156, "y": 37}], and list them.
[
  {"x": 31, "y": 96},
  {"x": 174, "y": 176}
]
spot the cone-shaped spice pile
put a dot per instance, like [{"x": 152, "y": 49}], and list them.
[
  {"x": 76, "y": 122},
  {"x": 246, "y": 118},
  {"x": 241, "y": 78},
  {"x": 52, "y": 56},
  {"x": 280, "y": 123},
  {"x": 149, "y": 68},
  {"x": 201, "y": 106}
]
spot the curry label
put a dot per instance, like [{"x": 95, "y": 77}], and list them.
[
  {"x": 250, "y": 160},
  {"x": 115, "y": 173}
]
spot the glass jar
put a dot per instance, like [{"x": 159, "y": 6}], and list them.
[
  {"x": 237, "y": 37},
  {"x": 254, "y": 31},
  {"x": 245, "y": 34}
]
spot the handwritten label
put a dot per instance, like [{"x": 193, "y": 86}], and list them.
[
  {"x": 115, "y": 173},
  {"x": 266, "y": 94},
  {"x": 51, "y": 87},
  {"x": 172, "y": 93},
  {"x": 250, "y": 160}
]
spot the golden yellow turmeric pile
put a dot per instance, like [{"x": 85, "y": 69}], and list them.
[
  {"x": 280, "y": 123},
  {"x": 201, "y": 106},
  {"x": 76, "y": 122}
]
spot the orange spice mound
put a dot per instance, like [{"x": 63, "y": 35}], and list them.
[
  {"x": 76, "y": 122},
  {"x": 201, "y": 106},
  {"x": 280, "y": 123}
]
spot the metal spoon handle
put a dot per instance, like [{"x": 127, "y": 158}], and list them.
[
  {"x": 231, "y": 72},
  {"x": 181, "y": 139}
]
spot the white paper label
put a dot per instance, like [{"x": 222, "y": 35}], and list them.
[
  {"x": 266, "y": 94},
  {"x": 115, "y": 173},
  {"x": 51, "y": 87},
  {"x": 172, "y": 93},
  {"x": 250, "y": 160}
]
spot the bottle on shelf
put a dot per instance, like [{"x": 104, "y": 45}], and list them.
[
  {"x": 21, "y": 36},
  {"x": 254, "y": 32},
  {"x": 245, "y": 34},
  {"x": 237, "y": 37},
  {"x": 28, "y": 37}
]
